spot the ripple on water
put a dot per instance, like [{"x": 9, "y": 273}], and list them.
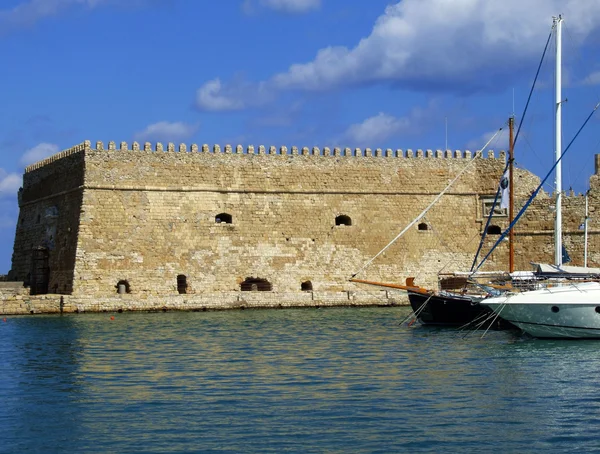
[{"x": 335, "y": 380}]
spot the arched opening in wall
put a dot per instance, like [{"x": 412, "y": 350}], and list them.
[
  {"x": 123, "y": 287},
  {"x": 494, "y": 230},
  {"x": 182, "y": 284},
  {"x": 423, "y": 226},
  {"x": 256, "y": 284},
  {"x": 342, "y": 219},
  {"x": 39, "y": 277},
  {"x": 306, "y": 286},
  {"x": 223, "y": 218}
]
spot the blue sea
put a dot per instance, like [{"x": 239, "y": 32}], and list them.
[{"x": 339, "y": 380}]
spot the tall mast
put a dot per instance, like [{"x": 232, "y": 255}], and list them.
[
  {"x": 511, "y": 233},
  {"x": 558, "y": 143},
  {"x": 585, "y": 230}
]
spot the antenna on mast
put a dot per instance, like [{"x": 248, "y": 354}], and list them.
[
  {"x": 513, "y": 109},
  {"x": 446, "y": 121}
]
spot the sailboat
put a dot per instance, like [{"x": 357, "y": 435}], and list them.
[
  {"x": 571, "y": 310},
  {"x": 456, "y": 303},
  {"x": 459, "y": 305}
]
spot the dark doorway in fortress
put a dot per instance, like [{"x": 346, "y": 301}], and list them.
[
  {"x": 343, "y": 220},
  {"x": 40, "y": 272},
  {"x": 223, "y": 218},
  {"x": 423, "y": 226},
  {"x": 182, "y": 284},
  {"x": 256, "y": 284},
  {"x": 494, "y": 230},
  {"x": 306, "y": 286}
]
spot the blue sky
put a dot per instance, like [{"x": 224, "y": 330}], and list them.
[{"x": 375, "y": 73}]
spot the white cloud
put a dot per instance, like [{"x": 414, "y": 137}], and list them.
[
  {"x": 381, "y": 127},
  {"x": 9, "y": 183},
  {"x": 457, "y": 46},
  {"x": 29, "y": 12},
  {"x": 592, "y": 79},
  {"x": 238, "y": 94},
  {"x": 210, "y": 97},
  {"x": 438, "y": 44},
  {"x": 282, "y": 6},
  {"x": 376, "y": 129},
  {"x": 292, "y": 6},
  {"x": 163, "y": 130},
  {"x": 39, "y": 152}
]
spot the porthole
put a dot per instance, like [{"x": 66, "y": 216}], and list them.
[
  {"x": 554, "y": 309},
  {"x": 597, "y": 309}
]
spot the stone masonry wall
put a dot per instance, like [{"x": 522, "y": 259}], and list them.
[
  {"x": 22, "y": 304},
  {"x": 149, "y": 216},
  {"x": 146, "y": 216},
  {"x": 50, "y": 203},
  {"x": 534, "y": 234}
]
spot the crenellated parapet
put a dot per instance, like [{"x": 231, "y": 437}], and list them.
[
  {"x": 63, "y": 154},
  {"x": 261, "y": 150}
]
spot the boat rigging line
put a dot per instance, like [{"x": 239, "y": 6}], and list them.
[
  {"x": 415, "y": 314},
  {"x": 472, "y": 160},
  {"x": 514, "y": 143},
  {"x": 535, "y": 192},
  {"x": 424, "y": 212}
]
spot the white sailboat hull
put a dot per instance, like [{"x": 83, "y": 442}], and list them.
[{"x": 571, "y": 311}]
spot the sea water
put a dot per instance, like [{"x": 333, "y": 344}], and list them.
[{"x": 306, "y": 381}]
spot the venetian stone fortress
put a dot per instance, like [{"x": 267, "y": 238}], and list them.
[{"x": 199, "y": 227}]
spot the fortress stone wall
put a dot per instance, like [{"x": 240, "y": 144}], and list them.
[{"x": 151, "y": 218}]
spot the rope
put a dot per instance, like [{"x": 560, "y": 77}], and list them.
[
  {"x": 417, "y": 312},
  {"x": 535, "y": 193},
  {"x": 533, "y": 86},
  {"x": 418, "y": 218},
  {"x": 493, "y": 321},
  {"x": 489, "y": 220},
  {"x": 514, "y": 144},
  {"x": 465, "y": 244}
]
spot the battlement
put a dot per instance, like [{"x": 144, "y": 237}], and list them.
[
  {"x": 63, "y": 154},
  {"x": 158, "y": 147}
]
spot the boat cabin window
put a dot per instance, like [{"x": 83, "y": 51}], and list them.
[{"x": 343, "y": 220}]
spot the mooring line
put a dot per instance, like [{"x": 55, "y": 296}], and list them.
[{"x": 417, "y": 312}]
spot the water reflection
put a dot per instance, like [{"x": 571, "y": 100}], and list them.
[
  {"x": 338, "y": 380},
  {"x": 40, "y": 358}
]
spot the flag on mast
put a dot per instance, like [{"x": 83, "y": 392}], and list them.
[{"x": 505, "y": 190}]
